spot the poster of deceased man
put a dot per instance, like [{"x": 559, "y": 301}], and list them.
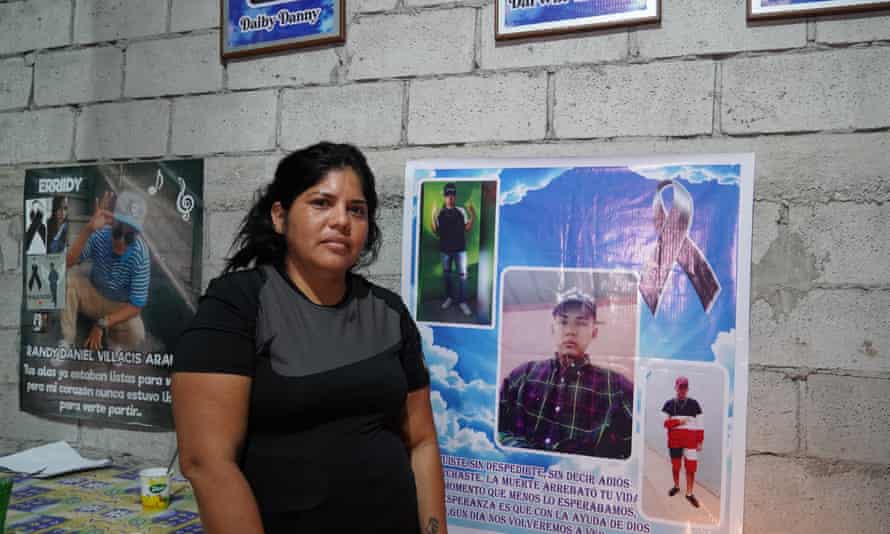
[
  {"x": 117, "y": 276},
  {"x": 607, "y": 391}
]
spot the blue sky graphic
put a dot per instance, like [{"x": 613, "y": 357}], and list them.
[
  {"x": 239, "y": 8},
  {"x": 568, "y": 11},
  {"x": 770, "y": 3}
]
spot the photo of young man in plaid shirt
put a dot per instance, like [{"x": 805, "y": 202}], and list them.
[{"x": 565, "y": 403}]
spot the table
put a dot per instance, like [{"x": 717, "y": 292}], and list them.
[{"x": 102, "y": 501}]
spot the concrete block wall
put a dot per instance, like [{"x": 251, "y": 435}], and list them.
[{"x": 85, "y": 81}]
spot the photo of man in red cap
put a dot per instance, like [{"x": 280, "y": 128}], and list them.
[{"x": 685, "y": 437}]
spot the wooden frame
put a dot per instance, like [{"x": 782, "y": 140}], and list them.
[
  {"x": 253, "y": 27},
  {"x": 801, "y": 8},
  {"x": 552, "y": 24}
]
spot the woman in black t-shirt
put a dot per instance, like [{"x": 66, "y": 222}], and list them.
[{"x": 301, "y": 400}]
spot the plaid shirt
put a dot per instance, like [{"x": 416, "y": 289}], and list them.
[{"x": 565, "y": 406}]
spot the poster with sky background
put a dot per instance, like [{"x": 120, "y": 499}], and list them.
[
  {"x": 516, "y": 19},
  {"x": 261, "y": 26},
  {"x": 620, "y": 302}
]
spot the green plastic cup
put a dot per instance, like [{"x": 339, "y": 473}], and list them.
[{"x": 5, "y": 492}]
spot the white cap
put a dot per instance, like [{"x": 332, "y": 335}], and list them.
[{"x": 130, "y": 208}]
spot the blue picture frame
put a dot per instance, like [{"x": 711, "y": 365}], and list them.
[
  {"x": 770, "y": 9},
  {"x": 251, "y": 27},
  {"x": 520, "y": 19}
]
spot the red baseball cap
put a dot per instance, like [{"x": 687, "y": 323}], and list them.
[{"x": 681, "y": 381}]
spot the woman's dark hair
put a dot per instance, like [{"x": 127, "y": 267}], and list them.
[{"x": 257, "y": 241}]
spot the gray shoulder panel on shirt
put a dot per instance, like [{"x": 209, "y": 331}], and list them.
[{"x": 303, "y": 338}]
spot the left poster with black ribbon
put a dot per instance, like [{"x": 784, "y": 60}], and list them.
[{"x": 111, "y": 276}]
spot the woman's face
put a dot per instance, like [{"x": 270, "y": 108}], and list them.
[
  {"x": 327, "y": 225},
  {"x": 61, "y": 212}
]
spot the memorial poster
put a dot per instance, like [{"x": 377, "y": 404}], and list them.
[
  {"x": 112, "y": 273},
  {"x": 585, "y": 325}
]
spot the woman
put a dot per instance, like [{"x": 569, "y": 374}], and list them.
[
  {"x": 300, "y": 395},
  {"x": 58, "y": 226}
]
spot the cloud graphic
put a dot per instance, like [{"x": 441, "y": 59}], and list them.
[
  {"x": 695, "y": 174},
  {"x": 724, "y": 349},
  {"x": 465, "y": 425},
  {"x": 514, "y": 191}
]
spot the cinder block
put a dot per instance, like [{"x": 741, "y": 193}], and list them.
[
  {"x": 581, "y": 48},
  {"x": 230, "y": 182},
  {"x": 108, "y": 20},
  {"x": 848, "y": 418},
  {"x": 11, "y": 242},
  {"x": 799, "y": 496},
  {"x": 10, "y": 347},
  {"x": 823, "y": 329},
  {"x": 174, "y": 66},
  {"x": 304, "y": 68},
  {"x": 389, "y": 262},
  {"x": 12, "y": 194},
  {"x": 818, "y": 168},
  {"x": 222, "y": 228},
  {"x": 504, "y": 107},
  {"x": 34, "y": 24},
  {"x": 823, "y": 90},
  {"x": 653, "y": 99},
  {"x": 772, "y": 412},
  {"x": 364, "y": 114},
  {"x": 850, "y": 241},
  {"x": 156, "y": 447},
  {"x": 11, "y": 218},
  {"x": 36, "y": 136},
  {"x": 224, "y": 123},
  {"x": 766, "y": 228},
  {"x": 428, "y": 42},
  {"x": 118, "y": 130},
  {"x": 18, "y": 425},
  {"x": 73, "y": 76},
  {"x": 708, "y": 27},
  {"x": 368, "y": 6},
  {"x": 852, "y": 30},
  {"x": 194, "y": 15},
  {"x": 15, "y": 83},
  {"x": 11, "y": 304}
]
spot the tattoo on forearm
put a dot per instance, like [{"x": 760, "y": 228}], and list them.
[{"x": 433, "y": 526}]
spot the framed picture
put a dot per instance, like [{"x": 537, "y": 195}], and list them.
[
  {"x": 253, "y": 27},
  {"x": 519, "y": 19},
  {"x": 768, "y": 9}
]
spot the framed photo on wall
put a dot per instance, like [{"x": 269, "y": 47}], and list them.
[
  {"x": 520, "y": 19},
  {"x": 253, "y": 27},
  {"x": 768, "y": 9}
]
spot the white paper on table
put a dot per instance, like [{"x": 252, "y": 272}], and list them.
[{"x": 50, "y": 460}]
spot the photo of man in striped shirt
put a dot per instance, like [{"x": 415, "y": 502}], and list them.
[{"x": 112, "y": 291}]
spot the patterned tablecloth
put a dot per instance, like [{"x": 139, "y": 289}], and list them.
[{"x": 104, "y": 501}]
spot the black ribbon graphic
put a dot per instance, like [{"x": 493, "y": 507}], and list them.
[{"x": 675, "y": 246}]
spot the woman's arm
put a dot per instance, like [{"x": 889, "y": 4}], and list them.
[
  {"x": 419, "y": 433},
  {"x": 210, "y": 412}
]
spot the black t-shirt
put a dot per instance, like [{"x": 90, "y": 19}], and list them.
[
  {"x": 452, "y": 225},
  {"x": 687, "y": 407},
  {"x": 323, "y": 451}
]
